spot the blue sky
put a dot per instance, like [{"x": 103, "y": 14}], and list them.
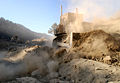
[{"x": 39, "y": 15}]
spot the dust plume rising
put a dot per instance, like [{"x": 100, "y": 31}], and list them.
[
  {"x": 97, "y": 14},
  {"x": 28, "y": 61},
  {"x": 94, "y": 8}
]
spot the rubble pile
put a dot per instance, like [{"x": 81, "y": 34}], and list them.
[
  {"x": 85, "y": 62},
  {"x": 96, "y": 45},
  {"x": 89, "y": 71}
]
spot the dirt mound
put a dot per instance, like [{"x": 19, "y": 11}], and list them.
[
  {"x": 91, "y": 37},
  {"x": 94, "y": 45}
]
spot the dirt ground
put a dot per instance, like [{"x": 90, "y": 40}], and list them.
[{"x": 94, "y": 58}]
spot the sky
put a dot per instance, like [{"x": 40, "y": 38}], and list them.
[{"x": 39, "y": 15}]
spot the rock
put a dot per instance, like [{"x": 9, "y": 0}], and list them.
[
  {"x": 27, "y": 80},
  {"x": 54, "y": 81},
  {"x": 114, "y": 82},
  {"x": 58, "y": 81},
  {"x": 60, "y": 52},
  {"x": 35, "y": 73},
  {"x": 52, "y": 75},
  {"x": 98, "y": 68},
  {"x": 106, "y": 59}
]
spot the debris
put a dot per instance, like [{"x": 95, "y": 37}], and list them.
[
  {"x": 107, "y": 58},
  {"x": 27, "y": 80}
]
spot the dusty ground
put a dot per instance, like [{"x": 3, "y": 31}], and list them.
[
  {"x": 88, "y": 71},
  {"x": 94, "y": 58}
]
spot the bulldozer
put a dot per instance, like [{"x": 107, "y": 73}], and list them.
[
  {"x": 60, "y": 36},
  {"x": 64, "y": 37}
]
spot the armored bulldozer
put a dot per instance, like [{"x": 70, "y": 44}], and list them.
[
  {"x": 63, "y": 34},
  {"x": 60, "y": 35}
]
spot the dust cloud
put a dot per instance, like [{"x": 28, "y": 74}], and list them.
[
  {"x": 34, "y": 61},
  {"x": 92, "y": 9},
  {"x": 98, "y": 14}
]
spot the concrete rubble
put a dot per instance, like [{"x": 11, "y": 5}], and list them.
[{"x": 94, "y": 58}]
